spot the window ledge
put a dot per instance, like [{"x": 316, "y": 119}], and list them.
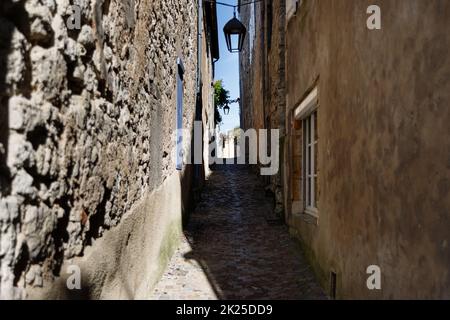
[
  {"x": 308, "y": 216},
  {"x": 312, "y": 212}
]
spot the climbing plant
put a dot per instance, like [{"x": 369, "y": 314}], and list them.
[{"x": 221, "y": 96}]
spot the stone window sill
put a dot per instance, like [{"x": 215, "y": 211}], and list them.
[{"x": 308, "y": 217}]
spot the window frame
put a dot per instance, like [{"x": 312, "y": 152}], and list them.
[
  {"x": 309, "y": 163},
  {"x": 307, "y": 112}
]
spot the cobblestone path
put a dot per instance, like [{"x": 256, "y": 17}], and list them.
[{"x": 231, "y": 252}]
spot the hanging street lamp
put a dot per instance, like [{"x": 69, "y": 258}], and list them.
[
  {"x": 234, "y": 32},
  {"x": 226, "y": 109}
]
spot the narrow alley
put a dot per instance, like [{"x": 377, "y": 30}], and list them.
[
  {"x": 230, "y": 251},
  {"x": 115, "y": 116}
]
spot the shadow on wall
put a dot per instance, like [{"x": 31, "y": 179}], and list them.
[
  {"x": 6, "y": 30},
  {"x": 12, "y": 15},
  {"x": 106, "y": 272},
  {"x": 91, "y": 284},
  {"x": 192, "y": 178}
]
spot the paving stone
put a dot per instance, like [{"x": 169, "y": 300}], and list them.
[{"x": 230, "y": 251}]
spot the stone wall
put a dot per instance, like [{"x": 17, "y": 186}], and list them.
[
  {"x": 246, "y": 58},
  {"x": 275, "y": 93},
  {"x": 87, "y": 120},
  {"x": 262, "y": 65},
  {"x": 251, "y": 63}
]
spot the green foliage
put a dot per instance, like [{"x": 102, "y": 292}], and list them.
[{"x": 221, "y": 96}]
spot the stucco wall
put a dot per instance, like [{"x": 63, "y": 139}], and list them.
[
  {"x": 384, "y": 169},
  {"x": 86, "y": 142}
]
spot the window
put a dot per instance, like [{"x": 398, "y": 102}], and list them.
[
  {"x": 180, "y": 74},
  {"x": 306, "y": 115},
  {"x": 310, "y": 140}
]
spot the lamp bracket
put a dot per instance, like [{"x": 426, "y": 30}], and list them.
[{"x": 234, "y": 6}]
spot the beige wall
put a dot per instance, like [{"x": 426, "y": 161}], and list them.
[
  {"x": 384, "y": 142},
  {"x": 384, "y": 171}
]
